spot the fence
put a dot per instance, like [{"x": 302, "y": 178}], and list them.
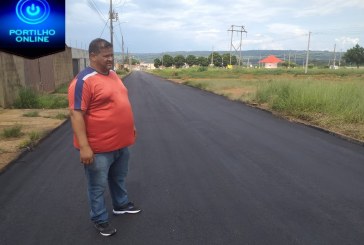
[{"x": 42, "y": 75}]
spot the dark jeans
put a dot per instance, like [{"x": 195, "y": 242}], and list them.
[{"x": 108, "y": 168}]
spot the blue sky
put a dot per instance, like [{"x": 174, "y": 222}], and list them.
[{"x": 202, "y": 25}]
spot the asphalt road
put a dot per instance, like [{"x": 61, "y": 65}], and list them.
[{"x": 205, "y": 170}]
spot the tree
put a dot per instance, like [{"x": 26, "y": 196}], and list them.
[
  {"x": 216, "y": 59},
  {"x": 287, "y": 64},
  {"x": 355, "y": 55},
  {"x": 179, "y": 61},
  {"x": 226, "y": 59},
  {"x": 191, "y": 60},
  {"x": 234, "y": 60},
  {"x": 157, "y": 63},
  {"x": 167, "y": 60},
  {"x": 132, "y": 60},
  {"x": 202, "y": 61}
]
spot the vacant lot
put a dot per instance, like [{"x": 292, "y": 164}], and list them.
[{"x": 21, "y": 129}]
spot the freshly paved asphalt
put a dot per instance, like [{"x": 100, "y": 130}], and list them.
[{"x": 205, "y": 170}]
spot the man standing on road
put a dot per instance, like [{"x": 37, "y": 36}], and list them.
[{"x": 103, "y": 126}]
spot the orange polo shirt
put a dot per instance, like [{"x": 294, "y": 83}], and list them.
[{"x": 109, "y": 118}]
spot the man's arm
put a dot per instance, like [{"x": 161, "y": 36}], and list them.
[{"x": 79, "y": 129}]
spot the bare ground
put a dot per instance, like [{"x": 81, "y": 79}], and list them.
[{"x": 46, "y": 121}]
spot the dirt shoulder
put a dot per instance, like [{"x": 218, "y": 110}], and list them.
[{"x": 34, "y": 124}]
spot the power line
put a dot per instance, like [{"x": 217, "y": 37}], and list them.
[
  {"x": 94, "y": 7},
  {"x": 104, "y": 28},
  {"x": 122, "y": 42},
  {"x": 285, "y": 39},
  {"x": 118, "y": 5}
]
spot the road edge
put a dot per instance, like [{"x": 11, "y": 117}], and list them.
[
  {"x": 26, "y": 150},
  {"x": 342, "y": 136}
]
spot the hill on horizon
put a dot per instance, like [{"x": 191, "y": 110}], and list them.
[{"x": 252, "y": 56}]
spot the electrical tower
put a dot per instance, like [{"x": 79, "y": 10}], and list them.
[{"x": 237, "y": 29}]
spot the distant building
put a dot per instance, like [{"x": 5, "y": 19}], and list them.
[
  {"x": 80, "y": 60},
  {"x": 271, "y": 61},
  {"x": 146, "y": 66}
]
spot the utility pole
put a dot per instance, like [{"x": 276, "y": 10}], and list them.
[
  {"x": 340, "y": 57},
  {"x": 111, "y": 29},
  {"x": 260, "y": 58},
  {"x": 111, "y": 25},
  {"x": 212, "y": 56},
  {"x": 289, "y": 59},
  {"x": 308, "y": 50},
  {"x": 112, "y": 16},
  {"x": 295, "y": 57},
  {"x": 334, "y": 55},
  {"x": 122, "y": 50},
  {"x": 127, "y": 56},
  {"x": 240, "y": 29}
]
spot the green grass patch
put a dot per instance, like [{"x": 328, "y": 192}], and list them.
[
  {"x": 63, "y": 89},
  {"x": 217, "y": 73},
  {"x": 53, "y": 101},
  {"x": 28, "y": 99},
  {"x": 341, "y": 100},
  {"x": 2, "y": 151},
  {"x": 33, "y": 139},
  {"x": 13, "y": 132},
  {"x": 31, "y": 114},
  {"x": 122, "y": 72},
  {"x": 61, "y": 116}
]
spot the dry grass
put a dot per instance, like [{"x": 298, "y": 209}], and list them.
[{"x": 31, "y": 128}]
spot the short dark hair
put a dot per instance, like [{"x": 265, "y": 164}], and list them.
[{"x": 97, "y": 44}]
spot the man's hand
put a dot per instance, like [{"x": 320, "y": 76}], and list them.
[
  {"x": 86, "y": 155},
  {"x": 79, "y": 128}
]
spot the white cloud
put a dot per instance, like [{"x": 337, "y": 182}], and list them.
[
  {"x": 346, "y": 42},
  {"x": 280, "y": 28},
  {"x": 326, "y": 7},
  {"x": 201, "y": 24}
]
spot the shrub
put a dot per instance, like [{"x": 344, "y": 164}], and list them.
[
  {"x": 31, "y": 114},
  {"x": 63, "y": 89},
  {"x": 34, "y": 137},
  {"x": 28, "y": 99},
  {"x": 202, "y": 68},
  {"x": 61, "y": 116},
  {"x": 12, "y": 132},
  {"x": 52, "y": 101},
  {"x": 339, "y": 100},
  {"x": 122, "y": 72}
]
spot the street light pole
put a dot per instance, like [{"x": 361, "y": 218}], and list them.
[
  {"x": 308, "y": 50},
  {"x": 111, "y": 16}
]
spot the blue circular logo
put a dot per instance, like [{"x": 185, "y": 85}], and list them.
[{"x": 32, "y": 11}]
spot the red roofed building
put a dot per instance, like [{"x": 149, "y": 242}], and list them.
[{"x": 271, "y": 61}]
